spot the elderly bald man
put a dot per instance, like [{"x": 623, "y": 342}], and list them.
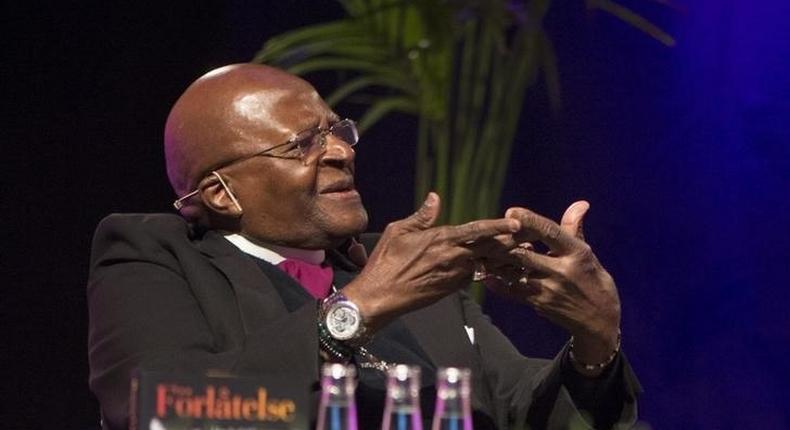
[{"x": 247, "y": 278}]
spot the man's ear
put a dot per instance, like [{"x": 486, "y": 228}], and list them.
[{"x": 218, "y": 196}]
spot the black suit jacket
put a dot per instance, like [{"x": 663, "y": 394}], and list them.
[{"x": 164, "y": 296}]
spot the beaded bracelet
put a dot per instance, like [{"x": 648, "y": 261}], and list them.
[
  {"x": 331, "y": 346},
  {"x": 596, "y": 366}
]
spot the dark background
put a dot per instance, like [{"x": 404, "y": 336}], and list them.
[{"x": 682, "y": 152}]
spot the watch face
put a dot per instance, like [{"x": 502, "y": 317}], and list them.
[{"x": 342, "y": 322}]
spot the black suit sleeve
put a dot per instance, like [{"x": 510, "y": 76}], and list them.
[
  {"x": 539, "y": 393},
  {"x": 145, "y": 313}
]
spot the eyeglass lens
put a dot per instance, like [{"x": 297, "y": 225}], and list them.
[{"x": 344, "y": 130}]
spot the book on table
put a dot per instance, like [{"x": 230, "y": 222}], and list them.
[{"x": 179, "y": 401}]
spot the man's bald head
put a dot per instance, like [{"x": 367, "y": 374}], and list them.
[{"x": 226, "y": 114}]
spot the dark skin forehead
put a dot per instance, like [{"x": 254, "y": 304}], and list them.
[{"x": 233, "y": 112}]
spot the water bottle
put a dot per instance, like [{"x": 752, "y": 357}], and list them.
[
  {"x": 402, "y": 407},
  {"x": 337, "y": 410},
  {"x": 453, "y": 408}
]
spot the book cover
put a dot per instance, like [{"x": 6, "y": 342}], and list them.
[{"x": 168, "y": 401}]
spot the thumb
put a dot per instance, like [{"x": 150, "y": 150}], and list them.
[
  {"x": 357, "y": 253},
  {"x": 573, "y": 219},
  {"x": 425, "y": 216}
]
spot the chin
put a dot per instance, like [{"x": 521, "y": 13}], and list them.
[
  {"x": 346, "y": 226},
  {"x": 356, "y": 224}
]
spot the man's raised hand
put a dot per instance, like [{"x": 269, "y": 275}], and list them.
[{"x": 568, "y": 285}]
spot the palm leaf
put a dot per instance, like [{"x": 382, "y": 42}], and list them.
[
  {"x": 350, "y": 48},
  {"x": 341, "y": 63},
  {"x": 384, "y": 106},
  {"x": 634, "y": 19},
  {"x": 362, "y": 82},
  {"x": 333, "y": 30}
]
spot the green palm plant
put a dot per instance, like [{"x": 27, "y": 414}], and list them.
[{"x": 461, "y": 66}]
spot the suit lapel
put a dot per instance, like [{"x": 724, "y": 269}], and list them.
[{"x": 258, "y": 301}]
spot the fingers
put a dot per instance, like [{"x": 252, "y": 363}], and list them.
[
  {"x": 573, "y": 218},
  {"x": 539, "y": 293},
  {"x": 494, "y": 248},
  {"x": 425, "y": 216},
  {"x": 475, "y": 231},
  {"x": 537, "y": 227},
  {"x": 535, "y": 262},
  {"x": 519, "y": 290}
]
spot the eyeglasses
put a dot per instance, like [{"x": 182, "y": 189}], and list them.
[{"x": 303, "y": 146}]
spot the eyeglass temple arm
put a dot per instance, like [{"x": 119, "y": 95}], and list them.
[{"x": 179, "y": 203}]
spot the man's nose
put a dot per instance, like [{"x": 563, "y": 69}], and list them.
[{"x": 337, "y": 150}]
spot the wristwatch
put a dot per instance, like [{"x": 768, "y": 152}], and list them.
[{"x": 343, "y": 321}]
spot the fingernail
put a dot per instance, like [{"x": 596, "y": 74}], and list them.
[
  {"x": 514, "y": 226},
  {"x": 430, "y": 200}
]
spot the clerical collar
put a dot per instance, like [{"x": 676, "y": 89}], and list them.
[{"x": 275, "y": 254}]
